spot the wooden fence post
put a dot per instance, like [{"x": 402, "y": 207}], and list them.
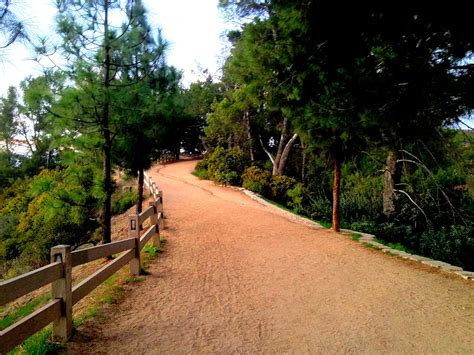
[
  {"x": 154, "y": 220},
  {"x": 62, "y": 289},
  {"x": 134, "y": 232}
]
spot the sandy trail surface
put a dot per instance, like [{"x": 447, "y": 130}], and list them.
[{"x": 240, "y": 277}]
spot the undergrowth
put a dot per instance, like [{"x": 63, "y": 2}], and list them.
[{"x": 110, "y": 292}]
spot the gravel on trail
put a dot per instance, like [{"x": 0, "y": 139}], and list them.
[{"x": 241, "y": 277}]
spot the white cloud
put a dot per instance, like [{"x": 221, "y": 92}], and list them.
[{"x": 193, "y": 29}]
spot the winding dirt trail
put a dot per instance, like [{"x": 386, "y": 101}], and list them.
[{"x": 239, "y": 277}]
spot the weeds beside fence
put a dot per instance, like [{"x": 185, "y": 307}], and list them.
[{"x": 59, "y": 274}]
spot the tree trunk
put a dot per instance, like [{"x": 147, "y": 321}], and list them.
[
  {"x": 276, "y": 164},
  {"x": 336, "y": 196},
  {"x": 107, "y": 149},
  {"x": 7, "y": 147},
  {"x": 107, "y": 206},
  {"x": 390, "y": 180},
  {"x": 279, "y": 161},
  {"x": 284, "y": 155},
  {"x": 249, "y": 135},
  {"x": 141, "y": 177},
  {"x": 303, "y": 164}
]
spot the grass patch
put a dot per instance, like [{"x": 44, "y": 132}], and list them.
[
  {"x": 201, "y": 174},
  {"x": 39, "y": 344},
  {"x": 134, "y": 279},
  {"x": 396, "y": 246},
  {"x": 110, "y": 292},
  {"x": 370, "y": 246},
  {"x": 108, "y": 299},
  {"x": 86, "y": 315},
  {"x": 151, "y": 250},
  {"x": 113, "y": 290},
  {"x": 23, "y": 311},
  {"x": 327, "y": 225},
  {"x": 355, "y": 236},
  {"x": 278, "y": 205}
]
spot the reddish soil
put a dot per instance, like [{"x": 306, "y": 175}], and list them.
[{"x": 240, "y": 277}]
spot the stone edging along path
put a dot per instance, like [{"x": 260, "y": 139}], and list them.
[{"x": 369, "y": 239}]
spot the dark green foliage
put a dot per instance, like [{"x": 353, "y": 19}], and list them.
[
  {"x": 227, "y": 165},
  {"x": 361, "y": 198},
  {"x": 55, "y": 207},
  {"x": 201, "y": 169},
  {"x": 454, "y": 244},
  {"x": 23, "y": 311},
  {"x": 123, "y": 200},
  {"x": 257, "y": 180},
  {"x": 279, "y": 186}
]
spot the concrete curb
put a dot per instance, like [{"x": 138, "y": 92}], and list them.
[
  {"x": 456, "y": 270},
  {"x": 367, "y": 238},
  {"x": 287, "y": 214}
]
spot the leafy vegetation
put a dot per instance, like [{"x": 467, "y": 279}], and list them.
[
  {"x": 351, "y": 124},
  {"x": 123, "y": 200}
]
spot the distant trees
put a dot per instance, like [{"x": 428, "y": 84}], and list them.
[
  {"x": 345, "y": 78},
  {"x": 8, "y": 123}
]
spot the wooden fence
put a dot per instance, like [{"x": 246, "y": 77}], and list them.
[{"x": 59, "y": 273}]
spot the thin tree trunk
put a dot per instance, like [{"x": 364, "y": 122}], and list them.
[
  {"x": 336, "y": 196},
  {"x": 7, "y": 147},
  {"x": 276, "y": 165},
  {"x": 141, "y": 177},
  {"x": 249, "y": 135},
  {"x": 303, "y": 163},
  {"x": 390, "y": 180},
  {"x": 107, "y": 149},
  {"x": 279, "y": 162},
  {"x": 107, "y": 206},
  {"x": 284, "y": 155},
  {"x": 24, "y": 133}
]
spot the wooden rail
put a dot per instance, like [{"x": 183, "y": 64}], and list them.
[{"x": 59, "y": 274}]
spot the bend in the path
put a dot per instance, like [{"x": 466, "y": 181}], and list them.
[{"x": 238, "y": 276}]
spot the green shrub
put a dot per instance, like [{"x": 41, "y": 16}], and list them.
[
  {"x": 454, "y": 244},
  {"x": 295, "y": 198},
  {"x": 202, "y": 174},
  {"x": 54, "y": 207},
  {"x": 361, "y": 198},
  {"x": 202, "y": 165},
  {"x": 200, "y": 170},
  {"x": 279, "y": 187},
  {"x": 257, "y": 180},
  {"x": 227, "y": 165},
  {"x": 123, "y": 200}
]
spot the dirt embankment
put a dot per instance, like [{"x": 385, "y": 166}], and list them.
[{"x": 239, "y": 277}]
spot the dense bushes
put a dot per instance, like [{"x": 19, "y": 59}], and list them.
[
  {"x": 123, "y": 200},
  {"x": 54, "y": 207},
  {"x": 257, "y": 180},
  {"x": 226, "y": 165},
  {"x": 434, "y": 216},
  {"x": 282, "y": 189}
]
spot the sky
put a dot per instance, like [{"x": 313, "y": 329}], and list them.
[{"x": 193, "y": 29}]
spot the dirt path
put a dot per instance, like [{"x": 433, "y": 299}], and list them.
[{"x": 238, "y": 277}]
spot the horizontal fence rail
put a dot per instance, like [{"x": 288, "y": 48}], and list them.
[
  {"x": 16, "y": 287},
  {"x": 84, "y": 256},
  {"x": 29, "y": 325},
  {"x": 59, "y": 274}
]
